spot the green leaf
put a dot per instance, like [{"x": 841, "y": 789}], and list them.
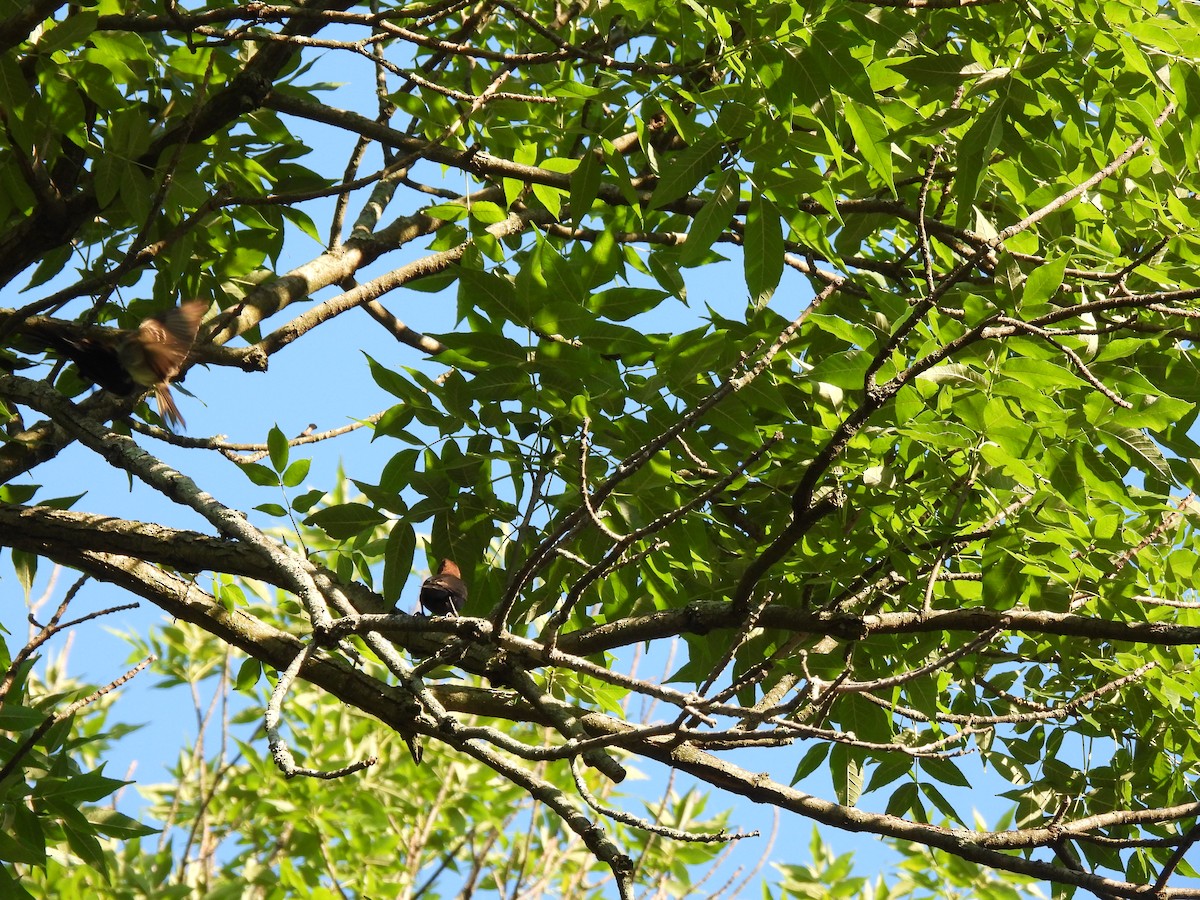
[
  {"x": 585, "y": 184},
  {"x": 974, "y": 154},
  {"x": 75, "y": 28},
  {"x": 392, "y": 382},
  {"x": 763, "y": 250},
  {"x": 81, "y": 837},
  {"x": 14, "y": 717},
  {"x": 810, "y": 762},
  {"x": 712, "y": 220},
  {"x": 228, "y": 594},
  {"x": 942, "y": 804},
  {"x": 891, "y": 768},
  {"x": 934, "y": 69},
  {"x": 448, "y": 212},
  {"x": 14, "y": 90},
  {"x": 398, "y": 560},
  {"x": 944, "y": 770},
  {"x": 844, "y": 370},
  {"x": 1044, "y": 282},
  {"x": 1141, "y": 447},
  {"x": 62, "y": 502},
  {"x": 845, "y": 768},
  {"x": 614, "y": 340},
  {"x": 487, "y": 213},
  {"x": 248, "y": 674},
  {"x": 114, "y": 824},
  {"x": 872, "y": 140},
  {"x": 88, "y": 786},
  {"x": 18, "y": 493},
  {"x": 307, "y": 500},
  {"x": 550, "y": 197},
  {"x": 23, "y": 840},
  {"x": 25, "y": 564},
  {"x": 477, "y": 351},
  {"x": 277, "y": 445},
  {"x": 557, "y": 275},
  {"x": 493, "y": 294},
  {"x": 304, "y": 222},
  {"x": 621, "y": 303},
  {"x": 903, "y": 799},
  {"x": 260, "y": 475},
  {"x": 346, "y": 520},
  {"x": 688, "y": 168},
  {"x": 866, "y": 720},
  {"x": 295, "y": 473}
]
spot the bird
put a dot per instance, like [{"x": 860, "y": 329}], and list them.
[
  {"x": 127, "y": 361},
  {"x": 444, "y": 594}
]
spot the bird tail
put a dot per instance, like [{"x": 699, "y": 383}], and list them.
[{"x": 167, "y": 410}]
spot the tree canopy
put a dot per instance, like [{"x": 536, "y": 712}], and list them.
[{"x": 914, "y": 506}]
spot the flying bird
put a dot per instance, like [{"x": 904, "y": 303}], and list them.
[
  {"x": 444, "y": 594},
  {"x": 127, "y": 361}
]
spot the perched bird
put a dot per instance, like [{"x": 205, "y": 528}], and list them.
[
  {"x": 127, "y": 361},
  {"x": 444, "y": 594}
]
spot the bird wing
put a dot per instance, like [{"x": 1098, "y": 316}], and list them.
[{"x": 167, "y": 339}]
